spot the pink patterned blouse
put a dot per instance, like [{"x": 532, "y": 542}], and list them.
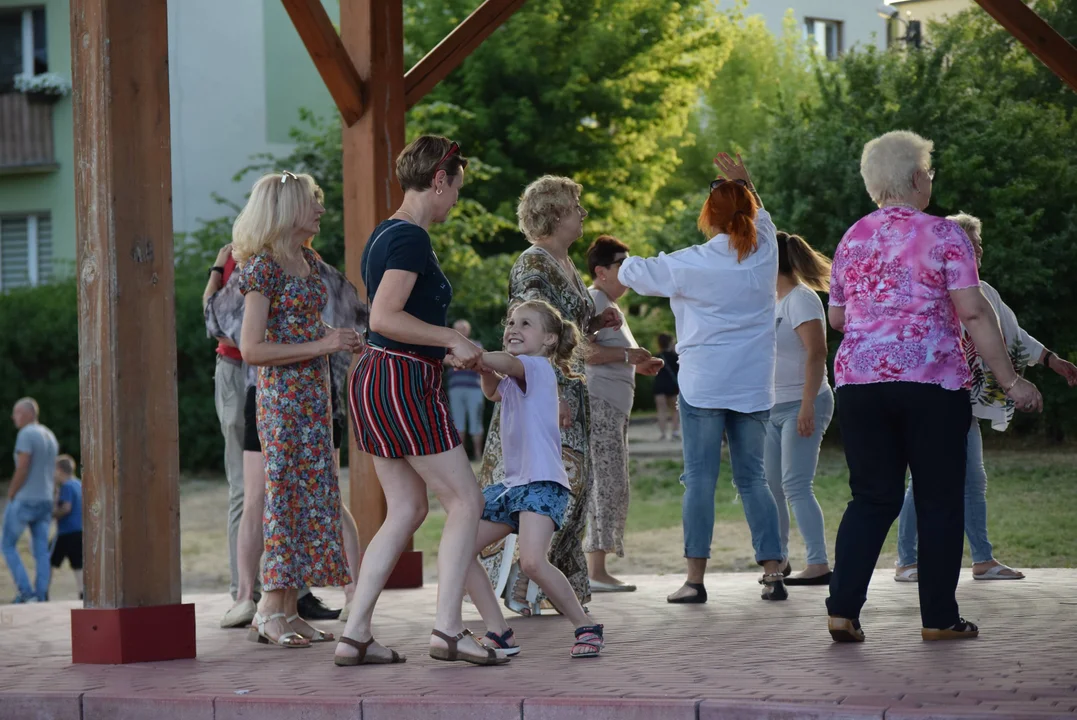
[{"x": 892, "y": 273}]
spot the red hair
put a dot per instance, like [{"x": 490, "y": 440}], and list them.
[{"x": 731, "y": 209}]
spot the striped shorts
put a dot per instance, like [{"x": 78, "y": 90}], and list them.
[{"x": 398, "y": 405}]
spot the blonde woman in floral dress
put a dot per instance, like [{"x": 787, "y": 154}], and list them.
[
  {"x": 284, "y": 336},
  {"x": 551, "y": 218}
]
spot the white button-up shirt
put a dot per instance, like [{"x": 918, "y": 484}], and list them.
[{"x": 725, "y": 317}]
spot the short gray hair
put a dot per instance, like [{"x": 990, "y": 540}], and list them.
[
  {"x": 969, "y": 223},
  {"x": 889, "y": 163},
  {"x": 28, "y": 403}
]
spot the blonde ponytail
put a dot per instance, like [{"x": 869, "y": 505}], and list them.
[{"x": 807, "y": 265}]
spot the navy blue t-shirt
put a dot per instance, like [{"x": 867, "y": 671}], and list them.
[{"x": 400, "y": 245}]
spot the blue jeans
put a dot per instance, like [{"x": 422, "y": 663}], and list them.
[
  {"x": 466, "y": 405},
  {"x": 702, "y": 430},
  {"x": 790, "y": 463},
  {"x": 36, "y": 515},
  {"x": 975, "y": 507}
]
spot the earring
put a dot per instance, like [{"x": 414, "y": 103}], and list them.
[{"x": 438, "y": 191}]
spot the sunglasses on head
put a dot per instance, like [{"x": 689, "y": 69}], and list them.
[
  {"x": 454, "y": 148},
  {"x": 716, "y": 183}
]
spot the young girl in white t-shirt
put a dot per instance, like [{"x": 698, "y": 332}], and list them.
[{"x": 532, "y": 499}]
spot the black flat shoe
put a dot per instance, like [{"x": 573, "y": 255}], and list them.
[
  {"x": 823, "y": 579},
  {"x": 773, "y": 587},
  {"x": 312, "y": 608},
  {"x": 698, "y": 599}
]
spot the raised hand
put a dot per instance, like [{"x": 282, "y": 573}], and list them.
[{"x": 732, "y": 169}]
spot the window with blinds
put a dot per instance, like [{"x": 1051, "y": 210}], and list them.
[{"x": 25, "y": 250}]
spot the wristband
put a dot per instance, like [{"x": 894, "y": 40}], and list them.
[
  {"x": 1047, "y": 360},
  {"x": 217, "y": 268},
  {"x": 1012, "y": 385}
]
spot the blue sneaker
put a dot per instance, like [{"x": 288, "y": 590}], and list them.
[{"x": 21, "y": 599}]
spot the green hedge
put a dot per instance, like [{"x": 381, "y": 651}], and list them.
[{"x": 39, "y": 358}]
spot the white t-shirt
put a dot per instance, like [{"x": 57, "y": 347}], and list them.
[
  {"x": 801, "y": 305},
  {"x": 530, "y": 435},
  {"x": 613, "y": 382}
]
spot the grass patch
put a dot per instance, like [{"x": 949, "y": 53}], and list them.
[{"x": 1032, "y": 503}]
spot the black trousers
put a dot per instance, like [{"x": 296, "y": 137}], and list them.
[{"x": 889, "y": 428}]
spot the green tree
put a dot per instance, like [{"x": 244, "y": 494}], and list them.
[{"x": 598, "y": 90}]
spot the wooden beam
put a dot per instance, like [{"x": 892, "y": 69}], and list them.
[
  {"x": 329, "y": 55},
  {"x": 1037, "y": 36},
  {"x": 373, "y": 33},
  {"x": 127, "y": 336},
  {"x": 455, "y": 48}
]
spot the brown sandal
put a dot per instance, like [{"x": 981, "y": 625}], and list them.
[
  {"x": 361, "y": 658},
  {"x": 451, "y": 654}
]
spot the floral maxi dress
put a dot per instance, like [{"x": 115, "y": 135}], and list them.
[
  {"x": 536, "y": 275},
  {"x": 302, "y": 525}
]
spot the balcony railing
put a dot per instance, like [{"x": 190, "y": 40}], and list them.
[{"x": 25, "y": 133}]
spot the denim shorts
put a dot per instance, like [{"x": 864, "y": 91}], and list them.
[{"x": 542, "y": 498}]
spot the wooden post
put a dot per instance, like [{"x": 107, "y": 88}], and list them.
[
  {"x": 373, "y": 33},
  {"x": 127, "y": 337}
]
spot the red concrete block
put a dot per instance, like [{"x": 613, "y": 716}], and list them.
[
  {"x": 433, "y": 707},
  {"x": 143, "y": 706},
  {"x": 952, "y": 713},
  {"x": 40, "y": 706},
  {"x": 113, "y": 636},
  {"x": 408, "y": 572},
  {"x": 594, "y": 708},
  {"x": 246, "y": 707},
  {"x": 739, "y": 710}
]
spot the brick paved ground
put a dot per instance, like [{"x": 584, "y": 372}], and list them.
[{"x": 733, "y": 659}]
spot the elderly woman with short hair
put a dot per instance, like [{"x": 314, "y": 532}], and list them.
[
  {"x": 988, "y": 403},
  {"x": 551, "y": 218},
  {"x": 902, "y": 284}
]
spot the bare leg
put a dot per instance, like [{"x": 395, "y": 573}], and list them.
[
  {"x": 450, "y": 477},
  {"x": 478, "y": 582},
  {"x": 78, "y": 581},
  {"x": 251, "y": 542},
  {"x": 536, "y": 532},
  {"x": 406, "y": 508},
  {"x": 476, "y": 442}
]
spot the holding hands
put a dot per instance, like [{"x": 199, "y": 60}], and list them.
[{"x": 464, "y": 354}]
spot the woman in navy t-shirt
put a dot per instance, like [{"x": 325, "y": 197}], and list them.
[{"x": 401, "y": 412}]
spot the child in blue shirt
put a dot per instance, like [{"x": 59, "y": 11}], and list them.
[{"x": 68, "y": 514}]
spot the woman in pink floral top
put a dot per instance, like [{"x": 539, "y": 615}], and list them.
[{"x": 902, "y": 284}]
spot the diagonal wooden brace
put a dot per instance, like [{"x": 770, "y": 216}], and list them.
[
  {"x": 1037, "y": 36},
  {"x": 329, "y": 55},
  {"x": 455, "y": 48}
]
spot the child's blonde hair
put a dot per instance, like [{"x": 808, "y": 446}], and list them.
[
  {"x": 567, "y": 350},
  {"x": 267, "y": 221}
]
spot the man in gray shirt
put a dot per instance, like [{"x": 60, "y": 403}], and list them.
[{"x": 30, "y": 500}]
